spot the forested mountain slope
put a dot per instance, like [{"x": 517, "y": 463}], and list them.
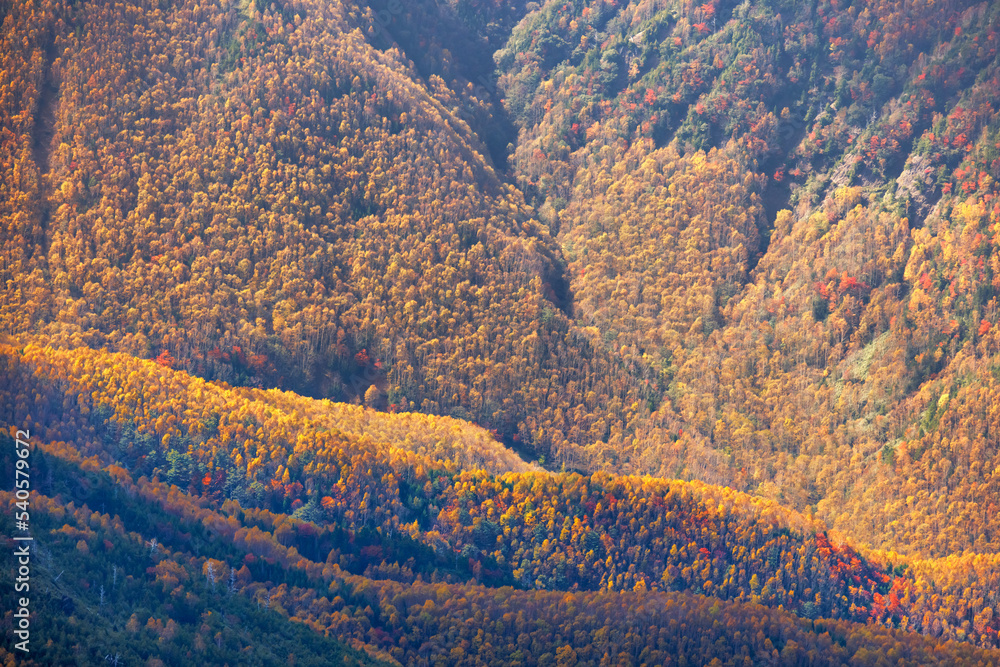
[
  {"x": 198, "y": 499},
  {"x": 275, "y": 200},
  {"x": 786, "y": 210},
  {"x": 409, "y": 313}
]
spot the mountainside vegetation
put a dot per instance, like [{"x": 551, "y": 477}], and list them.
[
  {"x": 580, "y": 332},
  {"x": 785, "y": 211},
  {"x": 345, "y": 534}
]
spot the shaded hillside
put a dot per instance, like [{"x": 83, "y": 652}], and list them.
[{"x": 154, "y": 584}]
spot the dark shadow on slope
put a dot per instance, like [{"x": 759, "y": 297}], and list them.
[
  {"x": 45, "y": 117},
  {"x": 423, "y": 31},
  {"x": 557, "y": 287},
  {"x": 774, "y": 198},
  {"x": 42, "y": 133}
]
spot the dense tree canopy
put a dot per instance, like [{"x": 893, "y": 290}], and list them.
[{"x": 449, "y": 329}]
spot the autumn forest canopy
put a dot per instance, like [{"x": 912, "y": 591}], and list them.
[{"x": 468, "y": 332}]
